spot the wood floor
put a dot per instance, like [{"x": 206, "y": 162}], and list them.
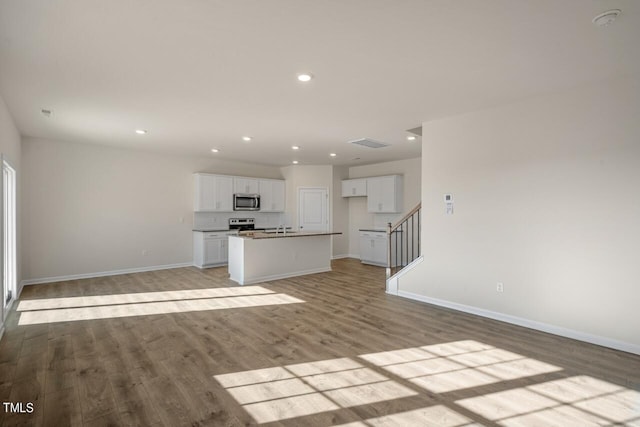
[{"x": 319, "y": 350}]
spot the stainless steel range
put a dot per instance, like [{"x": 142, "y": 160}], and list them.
[{"x": 242, "y": 224}]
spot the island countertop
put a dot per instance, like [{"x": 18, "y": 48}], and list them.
[{"x": 262, "y": 235}]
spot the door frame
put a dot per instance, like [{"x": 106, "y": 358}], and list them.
[{"x": 9, "y": 247}]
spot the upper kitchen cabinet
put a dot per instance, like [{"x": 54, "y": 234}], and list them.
[
  {"x": 272, "y": 195},
  {"x": 213, "y": 193},
  {"x": 354, "y": 187},
  {"x": 384, "y": 194},
  {"x": 246, "y": 185}
]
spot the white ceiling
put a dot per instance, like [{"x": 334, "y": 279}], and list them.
[{"x": 200, "y": 74}]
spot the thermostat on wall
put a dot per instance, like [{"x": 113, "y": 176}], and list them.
[{"x": 448, "y": 203}]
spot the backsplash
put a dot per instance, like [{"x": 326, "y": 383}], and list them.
[
  {"x": 382, "y": 220},
  {"x": 221, "y": 219}
]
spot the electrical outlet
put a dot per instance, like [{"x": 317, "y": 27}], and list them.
[
  {"x": 181, "y": 220},
  {"x": 500, "y": 287},
  {"x": 144, "y": 252}
]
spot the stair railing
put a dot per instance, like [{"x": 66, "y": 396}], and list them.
[{"x": 403, "y": 241}]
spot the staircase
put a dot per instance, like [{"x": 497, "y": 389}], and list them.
[{"x": 403, "y": 239}]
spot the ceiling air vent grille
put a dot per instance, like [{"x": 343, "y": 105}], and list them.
[{"x": 369, "y": 143}]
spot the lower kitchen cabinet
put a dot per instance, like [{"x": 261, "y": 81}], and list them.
[
  {"x": 210, "y": 249},
  {"x": 373, "y": 247}
]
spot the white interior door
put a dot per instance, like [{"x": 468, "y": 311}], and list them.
[{"x": 313, "y": 209}]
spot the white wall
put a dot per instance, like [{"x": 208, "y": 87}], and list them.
[
  {"x": 547, "y": 202},
  {"x": 11, "y": 150},
  {"x": 358, "y": 215},
  {"x": 325, "y": 176},
  {"x": 90, "y": 209},
  {"x": 305, "y": 176},
  {"x": 9, "y": 136},
  {"x": 340, "y": 213}
]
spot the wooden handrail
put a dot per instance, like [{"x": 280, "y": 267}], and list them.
[{"x": 404, "y": 218}]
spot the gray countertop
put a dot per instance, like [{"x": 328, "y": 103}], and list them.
[
  {"x": 211, "y": 230},
  {"x": 261, "y": 235}
]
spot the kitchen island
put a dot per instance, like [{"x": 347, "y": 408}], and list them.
[{"x": 260, "y": 257}]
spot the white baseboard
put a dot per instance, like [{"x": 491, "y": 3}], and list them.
[
  {"x": 392, "y": 282},
  {"x": 103, "y": 274},
  {"x": 527, "y": 323},
  {"x": 344, "y": 256},
  {"x": 281, "y": 276}
]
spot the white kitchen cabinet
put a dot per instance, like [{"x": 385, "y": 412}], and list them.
[
  {"x": 373, "y": 247},
  {"x": 210, "y": 249},
  {"x": 384, "y": 194},
  {"x": 246, "y": 185},
  {"x": 213, "y": 193},
  {"x": 354, "y": 187},
  {"x": 272, "y": 195}
]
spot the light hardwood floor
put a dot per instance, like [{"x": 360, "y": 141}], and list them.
[{"x": 319, "y": 350}]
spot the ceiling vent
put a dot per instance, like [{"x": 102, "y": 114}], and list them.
[{"x": 369, "y": 143}]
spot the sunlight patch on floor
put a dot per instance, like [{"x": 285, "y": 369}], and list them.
[
  {"x": 152, "y": 308},
  {"x": 275, "y": 394},
  {"x": 434, "y": 416},
  {"x": 285, "y": 392},
  {"x": 140, "y": 297},
  {"x": 454, "y": 366},
  {"x": 575, "y": 401}
]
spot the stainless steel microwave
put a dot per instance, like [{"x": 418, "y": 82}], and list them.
[{"x": 246, "y": 202}]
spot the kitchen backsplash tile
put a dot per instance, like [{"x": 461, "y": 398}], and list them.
[
  {"x": 221, "y": 219},
  {"x": 381, "y": 220}
]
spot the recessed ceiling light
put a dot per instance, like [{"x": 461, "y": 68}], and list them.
[
  {"x": 304, "y": 77},
  {"x": 246, "y": 138},
  {"x": 411, "y": 138},
  {"x": 606, "y": 18},
  {"x": 214, "y": 150},
  {"x": 141, "y": 131},
  {"x": 295, "y": 162},
  {"x": 332, "y": 154},
  {"x": 295, "y": 147}
]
